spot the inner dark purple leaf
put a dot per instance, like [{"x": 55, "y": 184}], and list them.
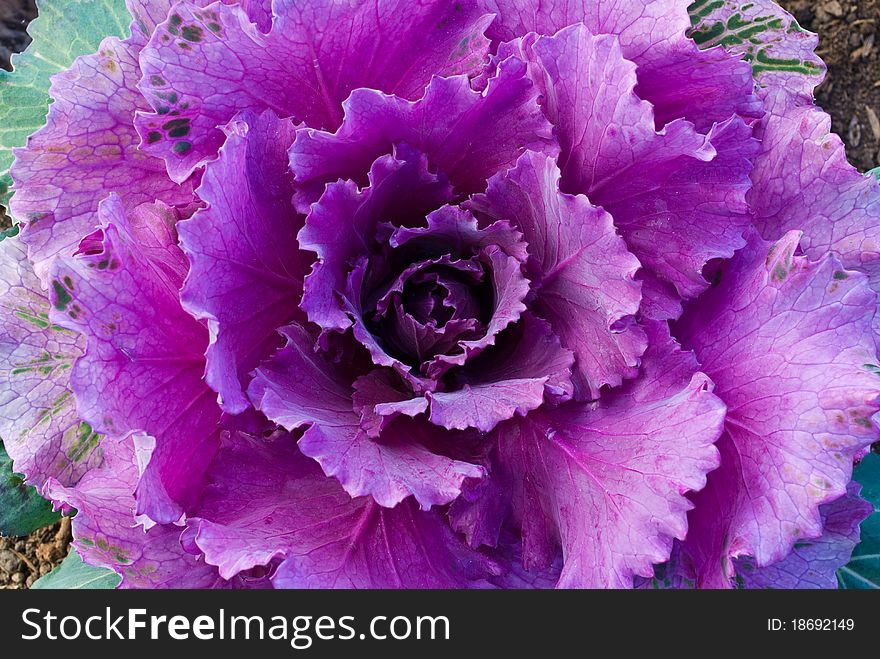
[{"x": 429, "y": 307}]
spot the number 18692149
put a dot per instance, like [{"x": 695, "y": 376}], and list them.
[{"x": 810, "y": 624}]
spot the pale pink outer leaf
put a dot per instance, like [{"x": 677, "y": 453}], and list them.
[
  {"x": 788, "y": 343},
  {"x": 39, "y": 426},
  {"x": 803, "y": 181},
  {"x": 786, "y": 68},
  {"x": 144, "y": 361},
  {"x": 87, "y": 149},
  {"x": 106, "y": 533},
  {"x": 148, "y": 14}
]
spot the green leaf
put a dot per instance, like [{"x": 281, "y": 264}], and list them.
[
  {"x": 868, "y": 474},
  {"x": 64, "y": 30},
  {"x": 765, "y": 35},
  {"x": 863, "y": 570},
  {"x": 22, "y": 510},
  {"x": 73, "y": 574}
]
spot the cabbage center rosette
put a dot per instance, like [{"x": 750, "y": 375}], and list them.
[{"x": 497, "y": 293}]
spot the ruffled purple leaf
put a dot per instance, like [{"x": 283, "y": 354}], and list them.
[
  {"x": 802, "y": 181},
  {"x": 509, "y": 290},
  {"x": 247, "y": 270},
  {"x": 691, "y": 212},
  {"x": 814, "y": 563},
  {"x": 703, "y": 86},
  {"x": 452, "y": 230},
  {"x": 266, "y": 501},
  {"x": 660, "y": 300},
  {"x": 384, "y": 386},
  {"x": 456, "y": 341},
  {"x": 527, "y": 366},
  {"x": 204, "y": 65},
  {"x": 414, "y": 294},
  {"x": 675, "y": 76},
  {"x": 646, "y": 29},
  {"x": 466, "y": 135},
  {"x": 440, "y": 310},
  {"x": 675, "y": 189},
  {"x": 377, "y": 349},
  {"x": 298, "y": 388},
  {"x": 607, "y": 483},
  {"x": 582, "y": 272},
  {"x": 343, "y": 224},
  {"x": 785, "y": 67},
  {"x": 426, "y": 308}
]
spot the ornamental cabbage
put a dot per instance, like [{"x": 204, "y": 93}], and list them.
[{"x": 434, "y": 294}]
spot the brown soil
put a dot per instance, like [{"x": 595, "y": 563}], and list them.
[
  {"x": 849, "y": 44},
  {"x": 24, "y": 560},
  {"x": 14, "y": 16}
]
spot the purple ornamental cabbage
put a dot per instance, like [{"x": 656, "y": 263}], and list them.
[{"x": 485, "y": 293}]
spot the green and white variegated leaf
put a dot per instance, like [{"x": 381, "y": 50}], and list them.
[
  {"x": 64, "y": 30},
  {"x": 22, "y": 509},
  {"x": 39, "y": 424},
  {"x": 73, "y": 574},
  {"x": 863, "y": 570},
  {"x": 763, "y": 33}
]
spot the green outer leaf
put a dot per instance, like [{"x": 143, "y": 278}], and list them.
[
  {"x": 22, "y": 510},
  {"x": 73, "y": 574},
  {"x": 64, "y": 30},
  {"x": 11, "y": 232},
  {"x": 863, "y": 570},
  {"x": 868, "y": 474}
]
